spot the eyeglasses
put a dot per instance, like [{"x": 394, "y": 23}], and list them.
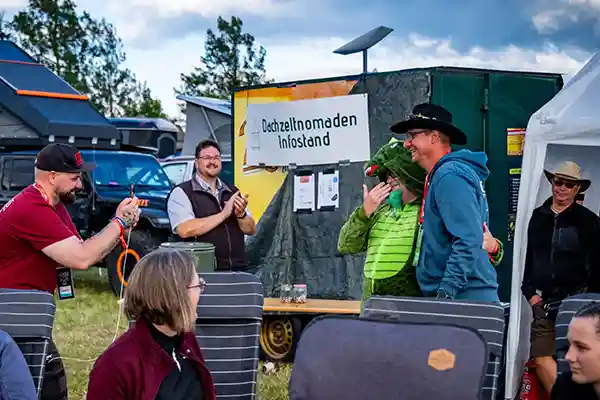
[
  {"x": 567, "y": 184},
  {"x": 210, "y": 158},
  {"x": 413, "y": 134},
  {"x": 201, "y": 285}
]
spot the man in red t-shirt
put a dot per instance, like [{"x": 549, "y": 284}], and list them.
[{"x": 37, "y": 236}]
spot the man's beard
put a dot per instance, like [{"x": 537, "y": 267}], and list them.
[
  {"x": 67, "y": 197},
  {"x": 213, "y": 171}
]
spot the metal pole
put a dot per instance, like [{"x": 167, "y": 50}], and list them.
[{"x": 365, "y": 61}]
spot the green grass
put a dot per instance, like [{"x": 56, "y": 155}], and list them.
[{"x": 85, "y": 327}]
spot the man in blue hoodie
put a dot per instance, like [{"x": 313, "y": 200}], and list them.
[{"x": 452, "y": 263}]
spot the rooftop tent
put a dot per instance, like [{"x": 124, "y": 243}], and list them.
[
  {"x": 218, "y": 105},
  {"x": 566, "y": 128},
  {"x": 39, "y": 107},
  {"x": 207, "y": 118},
  {"x": 157, "y": 135}
]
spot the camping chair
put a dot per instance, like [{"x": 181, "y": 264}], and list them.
[
  {"x": 228, "y": 331},
  {"x": 27, "y": 316},
  {"x": 487, "y": 318},
  {"x": 347, "y": 357},
  {"x": 568, "y": 308}
]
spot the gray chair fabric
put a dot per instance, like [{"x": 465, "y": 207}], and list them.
[
  {"x": 228, "y": 331},
  {"x": 567, "y": 310},
  {"x": 28, "y": 316},
  {"x": 487, "y": 318},
  {"x": 347, "y": 357}
]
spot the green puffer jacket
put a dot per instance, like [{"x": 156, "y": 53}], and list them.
[{"x": 388, "y": 237}]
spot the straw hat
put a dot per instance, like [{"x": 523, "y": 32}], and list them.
[{"x": 569, "y": 171}]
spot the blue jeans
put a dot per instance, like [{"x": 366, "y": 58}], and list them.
[{"x": 16, "y": 382}]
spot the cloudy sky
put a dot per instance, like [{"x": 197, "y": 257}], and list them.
[{"x": 164, "y": 38}]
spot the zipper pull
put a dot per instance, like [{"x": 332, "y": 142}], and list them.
[{"x": 176, "y": 361}]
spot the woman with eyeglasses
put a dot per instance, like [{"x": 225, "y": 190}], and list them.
[{"x": 158, "y": 358}]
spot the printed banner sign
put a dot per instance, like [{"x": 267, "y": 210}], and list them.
[{"x": 308, "y": 132}]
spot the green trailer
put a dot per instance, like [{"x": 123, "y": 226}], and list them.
[{"x": 492, "y": 107}]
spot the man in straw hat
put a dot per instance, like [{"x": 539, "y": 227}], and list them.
[
  {"x": 454, "y": 213},
  {"x": 385, "y": 225},
  {"x": 561, "y": 261}
]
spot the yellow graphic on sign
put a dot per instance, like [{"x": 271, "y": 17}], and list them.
[
  {"x": 262, "y": 183},
  {"x": 441, "y": 359},
  {"x": 515, "y": 141}
]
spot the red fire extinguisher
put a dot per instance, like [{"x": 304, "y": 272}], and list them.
[{"x": 531, "y": 387}]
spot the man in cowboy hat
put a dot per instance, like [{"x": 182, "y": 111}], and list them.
[
  {"x": 385, "y": 225},
  {"x": 562, "y": 259},
  {"x": 454, "y": 215}
]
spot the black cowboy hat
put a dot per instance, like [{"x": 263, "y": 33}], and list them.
[{"x": 433, "y": 117}]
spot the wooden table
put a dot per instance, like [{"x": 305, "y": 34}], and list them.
[{"x": 313, "y": 306}]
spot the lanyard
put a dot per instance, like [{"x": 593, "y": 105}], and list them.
[
  {"x": 422, "y": 212},
  {"x": 64, "y": 276},
  {"x": 42, "y": 192},
  {"x": 425, "y": 188},
  {"x": 47, "y": 199}
]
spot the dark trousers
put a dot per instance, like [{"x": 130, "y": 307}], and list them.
[{"x": 54, "y": 385}]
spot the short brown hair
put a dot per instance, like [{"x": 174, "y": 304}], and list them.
[
  {"x": 206, "y": 143},
  {"x": 158, "y": 289}
]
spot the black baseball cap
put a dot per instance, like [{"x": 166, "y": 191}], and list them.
[{"x": 60, "y": 157}]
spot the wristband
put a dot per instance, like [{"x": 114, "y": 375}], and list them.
[
  {"x": 496, "y": 247},
  {"x": 121, "y": 224},
  {"x": 120, "y": 221},
  {"x": 243, "y": 216}
]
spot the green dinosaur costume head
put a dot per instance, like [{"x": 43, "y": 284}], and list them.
[{"x": 394, "y": 159}]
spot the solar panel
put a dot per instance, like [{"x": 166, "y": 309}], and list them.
[
  {"x": 9, "y": 51},
  {"x": 34, "y": 77},
  {"x": 72, "y": 112}
]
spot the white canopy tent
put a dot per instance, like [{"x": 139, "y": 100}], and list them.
[{"x": 565, "y": 128}]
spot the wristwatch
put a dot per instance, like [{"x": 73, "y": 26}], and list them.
[{"x": 443, "y": 295}]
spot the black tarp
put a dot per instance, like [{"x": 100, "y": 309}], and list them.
[
  {"x": 61, "y": 117},
  {"x": 302, "y": 248}
]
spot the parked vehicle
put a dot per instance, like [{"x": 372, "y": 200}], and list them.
[
  {"x": 104, "y": 188},
  {"x": 181, "y": 168},
  {"x": 156, "y": 136}
]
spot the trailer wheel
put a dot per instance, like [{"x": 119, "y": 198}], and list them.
[{"x": 279, "y": 336}]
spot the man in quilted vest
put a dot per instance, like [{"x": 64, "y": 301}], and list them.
[
  {"x": 385, "y": 225},
  {"x": 205, "y": 209}
]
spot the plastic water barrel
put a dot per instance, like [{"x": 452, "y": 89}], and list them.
[{"x": 203, "y": 253}]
